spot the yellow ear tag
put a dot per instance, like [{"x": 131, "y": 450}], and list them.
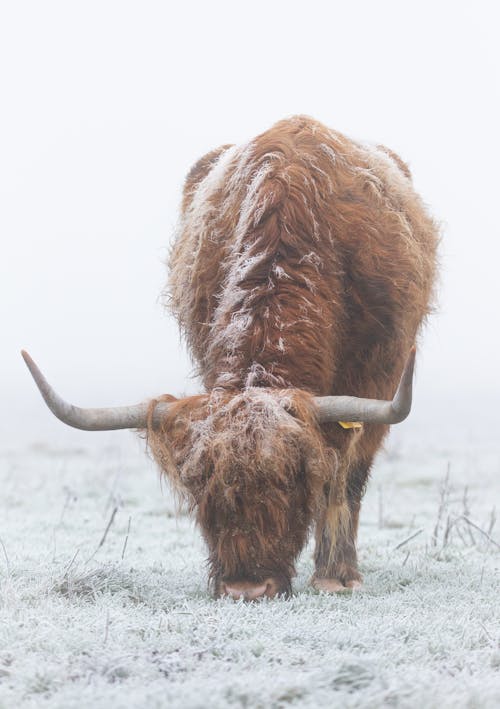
[{"x": 350, "y": 424}]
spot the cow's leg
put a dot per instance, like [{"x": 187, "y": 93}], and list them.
[{"x": 336, "y": 563}]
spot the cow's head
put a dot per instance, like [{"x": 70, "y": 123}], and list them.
[{"x": 252, "y": 464}]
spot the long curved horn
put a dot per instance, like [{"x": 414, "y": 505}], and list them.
[
  {"x": 352, "y": 408},
  {"x": 105, "y": 419}
]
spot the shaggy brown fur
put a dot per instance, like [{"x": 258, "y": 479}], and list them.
[
  {"x": 254, "y": 466},
  {"x": 304, "y": 262}
]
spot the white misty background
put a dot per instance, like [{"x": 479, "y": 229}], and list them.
[{"x": 106, "y": 105}]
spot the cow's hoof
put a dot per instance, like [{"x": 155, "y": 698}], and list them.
[
  {"x": 335, "y": 585},
  {"x": 328, "y": 585}
]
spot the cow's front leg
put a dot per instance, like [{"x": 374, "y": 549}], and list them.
[
  {"x": 335, "y": 557},
  {"x": 336, "y": 560}
]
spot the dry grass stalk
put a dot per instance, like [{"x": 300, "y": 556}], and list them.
[
  {"x": 408, "y": 539},
  {"x": 126, "y": 537}
]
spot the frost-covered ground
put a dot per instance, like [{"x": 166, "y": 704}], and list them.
[{"x": 123, "y": 619}]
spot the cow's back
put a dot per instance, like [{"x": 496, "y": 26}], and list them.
[{"x": 303, "y": 259}]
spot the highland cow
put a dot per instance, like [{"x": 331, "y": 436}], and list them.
[{"x": 301, "y": 273}]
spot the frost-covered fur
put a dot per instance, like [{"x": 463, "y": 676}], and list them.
[
  {"x": 303, "y": 260},
  {"x": 254, "y": 467}
]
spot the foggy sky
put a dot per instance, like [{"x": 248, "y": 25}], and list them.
[{"x": 106, "y": 105}]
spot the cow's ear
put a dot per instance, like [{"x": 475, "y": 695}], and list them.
[{"x": 200, "y": 169}]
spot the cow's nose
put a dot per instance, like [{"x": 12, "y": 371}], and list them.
[{"x": 249, "y": 590}]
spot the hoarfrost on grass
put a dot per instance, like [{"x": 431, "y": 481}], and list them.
[{"x": 128, "y": 621}]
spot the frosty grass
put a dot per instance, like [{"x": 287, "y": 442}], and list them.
[{"x": 103, "y": 597}]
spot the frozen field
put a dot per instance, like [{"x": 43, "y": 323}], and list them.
[{"x": 123, "y": 618}]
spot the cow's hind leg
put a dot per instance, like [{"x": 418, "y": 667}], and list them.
[{"x": 336, "y": 563}]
